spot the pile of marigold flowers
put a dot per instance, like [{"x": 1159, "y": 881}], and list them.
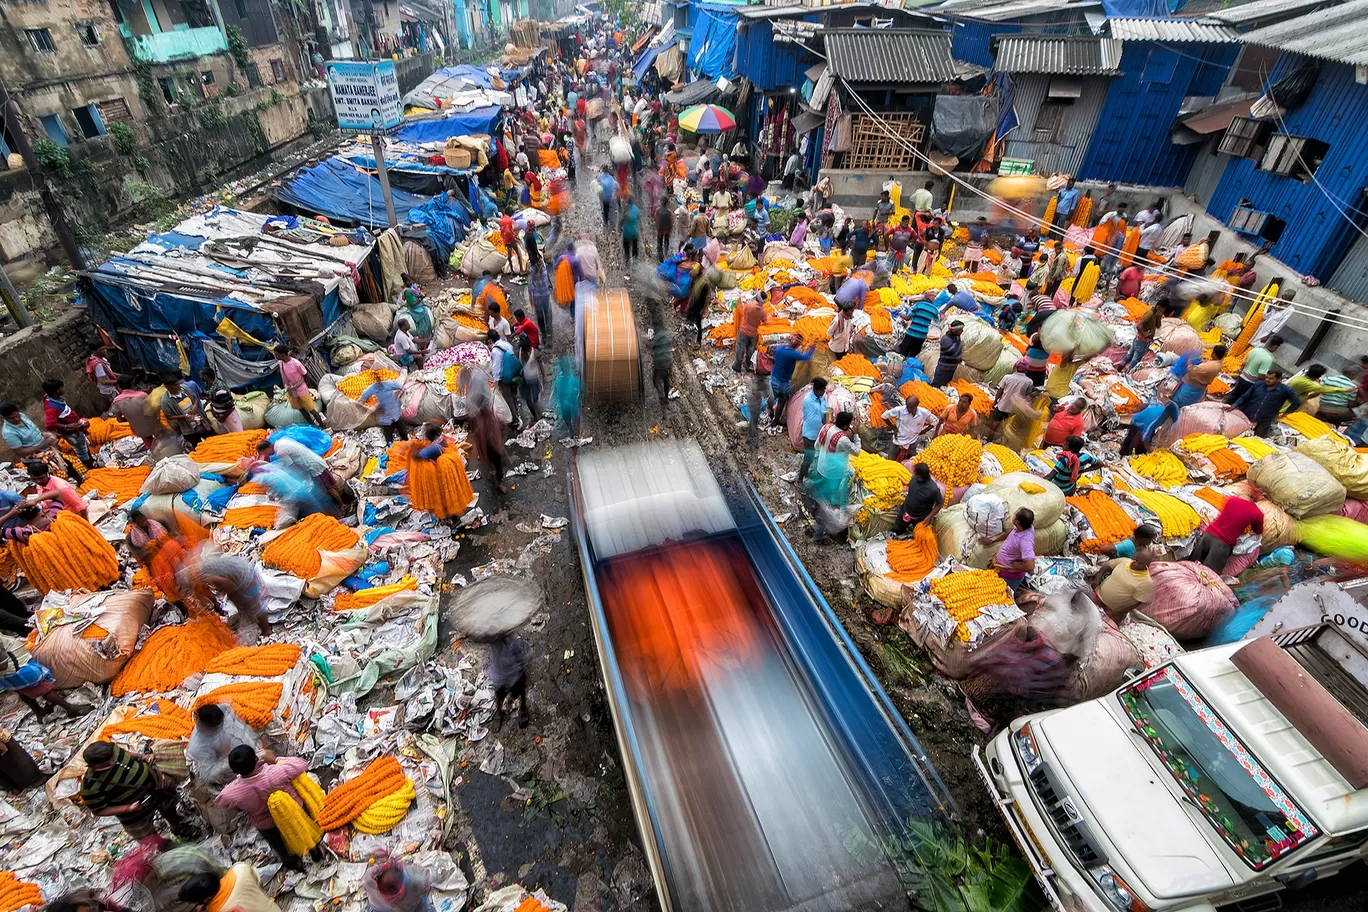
[
  {"x": 254, "y": 702},
  {"x": 228, "y": 447},
  {"x": 1109, "y": 523},
  {"x": 70, "y": 554},
  {"x": 296, "y": 549},
  {"x": 267, "y": 661},
  {"x": 966, "y": 593},
  {"x": 953, "y": 459},
  {"x": 124, "y": 484},
  {"x": 172, "y": 654}
]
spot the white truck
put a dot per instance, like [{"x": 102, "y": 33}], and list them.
[{"x": 1229, "y": 773}]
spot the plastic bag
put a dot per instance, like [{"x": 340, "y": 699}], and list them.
[
  {"x": 251, "y": 409},
  {"x": 1190, "y": 600},
  {"x": 327, "y": 389},
  {"x": 1298, "y": 484},
  {"x": 1072, "y": 330},
  {"x": 345, "y": 414},
  {"x": 172, "y": 476},
  {"x": 1334, "y": 536},
  {"x": 374, "y": 321},
  {"x": 987, "y": 515},
  {"x": 1355, "y": 509},
  {"x": 1347, "y": 465},
  {"x": 316, "y": 439},
  {"x": 334, "y": 567}
]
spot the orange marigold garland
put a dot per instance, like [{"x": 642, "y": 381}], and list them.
[
  {"x": 71, "y": 554},
  {"x": 296, "y": 549},
  {"x": 267, "y": 661},
  {"x": 124, "y": 484},
  {"x": 364, "y": 598},
  {"x": 440, "y": 486},
  {"x": 912, "y": 560},
  {"x": 228, "y": 447},
  {"x": 107, "y": 430},
  {"x": 253, "y": 702},
  {"x": 172, "y": 654},
  {"x": 170, "y": 723},
  {"x": 261, "y": 516},
  {"x": 16, "y": 894},
  {"x": 384, "y": 776},
  {"x": 1109, "y": 523},
  {"x": 928, "y": 397},
  {"x": 856, "y": 366}
]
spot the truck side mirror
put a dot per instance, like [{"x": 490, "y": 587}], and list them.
[{"x": 1299, "y": 881}]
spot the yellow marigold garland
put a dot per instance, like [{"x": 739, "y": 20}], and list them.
[
  {"x": 253, "y": 702},
  {"x": 383, "y": 776},
  {"x": 1177, "y": 518},
  {"x": 300, "y": 832},
  {"x": 268, "y": 661},
  {"x": 354, "y": 385},
  {"x": 1309, "y": 426},
  {"x": 385, "y": 813},
  {"x": 953, "y": 459},
  {"x": 966, "y": 593},
  {"x": 107, "y": 430},
  {"x": 1162, "y": 467},
  {"x": 296, "y": 549},
  {"x": 1008, "y": 458},
  {"x": 885, "y": 480}
]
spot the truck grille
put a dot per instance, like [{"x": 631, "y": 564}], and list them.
[{"x": 1073, "y": 831}]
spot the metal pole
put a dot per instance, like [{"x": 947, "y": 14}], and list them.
[
  {"x": 378, "y": 146},
  {"x": 13, "y": 302}
]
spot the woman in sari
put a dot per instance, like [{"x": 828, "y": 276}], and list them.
[
  {"x": 157, "y": 551},
  {"x": 830, "y": 483}
]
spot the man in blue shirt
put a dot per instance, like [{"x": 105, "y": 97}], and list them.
[
  {"x": 387, "y": 394},
  {"x": 1263, "y": 402},
  {"x": 814, "y": 416},
  {"x": 924, "y": 313},
  {"x": 607, "y": 187},
  {"x": 852, "y": 291},
  {"x": 786, "y": 359},
  {"x": 961, "y": 298},
  {"x": 1064, "y": 209}
]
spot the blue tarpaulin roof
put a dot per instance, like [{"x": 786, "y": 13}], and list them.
[
  {"x": 457, "y": 123},
  {"x": 713, "y": 45},
  {"x": 644, "y": 62},
  {"x": 338, "y": 190}
]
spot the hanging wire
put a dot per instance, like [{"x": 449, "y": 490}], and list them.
[{"x": 1340, "y": 319}]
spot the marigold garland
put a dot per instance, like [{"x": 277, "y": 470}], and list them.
[
  {"x": 124, "y": 484},
  {"x": 1162, "y": 467},
  {"x": 1008, "y": 458},
  {"x": 354, "y": 385},
  {"x": 172, "y": 654},
  {"x": 440, "y": 486},
  {"x": 1309, "y": 426},
  {"x": 385, "y": 813},
  {"x": 1109, "y": 523},
  {"x": 106, "y": 430},
  {"x": 16, "y": 894},
  {"x": 1227, "y": 463},
  {"x": 364, "y": 598},
  {"x": 261, "y": 516},
  {"x": 811, "y": 330},
  {"x": 296, "y": 549},
  {"x": 876, "y": 410},
  {"x": 1256, "y": 447},
  {"x": 170, "y": 723},
  {"x": 1211, "y": 496},
  {"x": 70, "y": 554},
  {"x": 228, "y": 447},
  {"x": 912, "y": 560},
  {"x": 966, "y": 593},
  {"x": 853, "y": 365},
  {"x": 1178, "y": 519},
  {"x": 953, "y": 459},
  {"x": 297, "y": 828},
  {"x": 397, "y": 458},
  {"x": 309, "y": 792},
  {"x": 928, "y": 397},
  {"x": 267, "y": 661},
  {"x": 383, "y": 776},
  {"x": 254, "y": 702},
  {"x": 1204, "y": 443},
  {"x": 884, "y": 479}
]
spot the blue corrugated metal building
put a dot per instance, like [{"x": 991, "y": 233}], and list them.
[
  {"x": 768, "y": 64},
  {"x": 1131, "y": 142},
  {"x": 971, "y": 40},
  {"x": 1317, "y": 235}
]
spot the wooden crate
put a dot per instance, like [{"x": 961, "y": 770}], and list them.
[
  {"x": 882, "y": 144},
  {"x": 612, "y": 351}
]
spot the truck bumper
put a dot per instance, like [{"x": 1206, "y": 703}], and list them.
[{"x": 1067, "y": 889}]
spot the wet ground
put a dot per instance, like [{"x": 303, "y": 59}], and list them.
[{"x": 547, "y": 805}]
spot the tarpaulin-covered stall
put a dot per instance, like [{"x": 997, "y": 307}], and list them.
[
  {"x": 453, "y": 123},
  {"x": 222, "y": 287}
]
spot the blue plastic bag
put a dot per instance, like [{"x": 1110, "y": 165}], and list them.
[{"x": 316, "y": 439}]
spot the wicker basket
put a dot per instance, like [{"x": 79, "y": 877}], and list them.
[{"x": 457, "y": 157}]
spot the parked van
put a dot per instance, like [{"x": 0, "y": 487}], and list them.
[{"x": 1226, "y": 774}]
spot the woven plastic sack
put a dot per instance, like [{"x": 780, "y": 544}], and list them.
[
  {"x": 1278, "y": 531},
  {"x": 987, "y": 515},
  {"x": 1047, "y": 504},
  {"x": 374, "y": 321},
  {"x": 982, "y": 343},
  {"x": 73, "y": 658},
  {"x": 327, "y": 389},
  {"x": 956, "y": 538},
  {"x": 1206, "y": 417},
  {"x": 1105, "y": 669},
  {"x": 1190, "y": 600},
  {"x": 280, "y": 415},
  {"x": 1176, "y": 336},
  {"x": 1337, "y": 457},
  {"x": 1050, "y": 540},
  {"x": 1298, "y": 484},
  {"x": 1072, "y": 330},
  {"x": 1355, "y": 509},
  {"x": 1006, "y": 363},
  {"x": 172, "y": 476},
  {"x": 251, "y": 408},
  {"x": 741, "y": 259},
  {"x": 482, "y": 256},
  {"x": 1334, "y": 536},
  {"x": 1068, "y": 620},
  {"x": 346, "y": 414}
]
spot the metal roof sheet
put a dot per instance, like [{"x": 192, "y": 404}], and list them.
[
  {"x": 890, "y": 55},
  {"x": 1336, "y": 33},
  {"x": 1082, "y": 56},
  {"x": 1172, "y": 30},
  {"x": 1250, "y": 13},
  {"x": 1005, "y": 10},
  {"x": 775, "y": 12}
]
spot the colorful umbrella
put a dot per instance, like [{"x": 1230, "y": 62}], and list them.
[{"x": 706, "y": 118}]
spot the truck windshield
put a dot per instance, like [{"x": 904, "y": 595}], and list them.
[{"x": 1250, "y": 811}]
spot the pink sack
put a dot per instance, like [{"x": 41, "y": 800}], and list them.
[
  {"x": 1189, "y": 600},
  {"x": 1239, "y": 563},
  {"x": 1355, "y": 509},
  {"x": 1103, "y": 671},
  {"x": 1177, "y": 336},
  {"x": 1206, "y": 417},
  {"x": 412, "y": 399}
]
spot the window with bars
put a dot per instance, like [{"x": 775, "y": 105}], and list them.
[
  {"x": 1296, "y": 157},
  {"x": 1245, "y": 137},
  {"x": 278, "y": 70},
  {"x": 40, "y": 40},
  {"x": 89, "y": 35}
]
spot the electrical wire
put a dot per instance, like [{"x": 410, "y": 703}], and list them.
[{"x": 1325, "y": 314}]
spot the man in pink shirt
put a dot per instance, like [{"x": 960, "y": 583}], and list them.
[
  {"x": 61, "y": 494},
  {"x": 295, "y": 376},
  {"x": 248, "y": 793}
]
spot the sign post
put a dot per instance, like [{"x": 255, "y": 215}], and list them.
[{"x": 366, "y": 97}]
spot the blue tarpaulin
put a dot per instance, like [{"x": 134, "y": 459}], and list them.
[
  {"x": 338, "y": 190},
  {"x": 460, "y": 123},
  {"x": 644, "y": 62},
  {"x": 713, "y": 46},
  {"x": 1136, "y": 9}
]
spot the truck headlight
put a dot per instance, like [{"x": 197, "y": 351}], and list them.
[
  {"x": 1116, "y": 891},
  {"x": 1026, "y": 749}
]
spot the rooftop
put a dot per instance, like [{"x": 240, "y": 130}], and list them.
[
  {"x": 890, "y": 55},
  {"x": 1337, "y": 33},
  {"x": 1179, "y": 30},
  {"x": 1082, "y": 56}
]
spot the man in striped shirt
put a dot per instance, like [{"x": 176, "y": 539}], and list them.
[
  {"x": 918, "y": 326},
  {"x": 119, "y": 784}
]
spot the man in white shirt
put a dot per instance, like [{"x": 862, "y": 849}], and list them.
[
  {"x": 406, "y": 350},
  {"x": 844, "y": 333},
  {"x": 922, "y": 199},
  {"x": 910, "y": 422},
  {"x": 498, "y": 323},
  {"x": 1149, "y": 236},
  {"x": 791, "y": 168}
]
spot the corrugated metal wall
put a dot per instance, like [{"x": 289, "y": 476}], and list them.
[
  {"x": 1207, "y": 169},
  {"x": 1351, "y": 278},
  {"x": 1317, "y": 235},
  {"x": 970, "y": 41},
  {"x": 1077, "y": 128},
  {"x": 1131, "y": 143},
  {"x": 767, "y": 64}
]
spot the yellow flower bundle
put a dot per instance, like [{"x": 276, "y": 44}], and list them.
[
  {"x": 1204, "y": 443},
  {"x": 124, "y": 484},
  {"x": 1109, "y": 523},
  {"x": 1253, "y": 319},
  {"x": 928, "y": 397},
  {"x": 385, "y": 813},
  {"x": 299, "y": 831},
  {"x": 364, "y": 598},
  {"x": 1256, "y": 447},
  {"x": 254, "y": 702},
  {"x": 1050, "y": 208},
  {"x": 468, "y": 320},
  {"x": 970, "y": 388},
  {"x": 440, "y": 486},
  {"x": 917, "y": 284},
  {"x": 353, "y": 386},
  {"x": 1082, "y": 212},
  {"x": 912, "y": 560},
  {"x": 16, "y": 894},
  {"x": 70, "y": 554},
  {"x": 1228, "y": 463},
  {"x": 169, "y": 723},
  {"x": 309, "y": 792},
  {"x": 1177, "y": 518},
  {"x": 1213, "y": 497},
  {"x": 267, "y": 661},
  {"x": 1309, "y": 426},
  {"x": 966, "y": 593},
  {"x": 885, "y": 480},
  {"x": 261, "y": 516},
  {"x": 755, "y": 281},
  {"x": 228, "y": 447},
  {"x": 853, "y": 365},
  {"x": 296, "y": 549},
  {"x": 1087, "y": 282},
  {"x": 1008, "y": 458},
  {"x": 953, "y": 459},
  {"x": 1218, "y": 387},
  {"x": 172, "y": 654},
  {"x": 811, "y": 330},
  {"x": 1031, "y": 487},
  {"x": 105, "y": 430},
  {"x": 1162, "y": 467},
  {"x": 383, "y": 776}
]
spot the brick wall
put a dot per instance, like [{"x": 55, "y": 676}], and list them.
[{"x": 57, "y": 350}]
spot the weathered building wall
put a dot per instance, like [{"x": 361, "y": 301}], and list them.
[
  {"x": 24, "y": 226},
  {"x": 55, "y": 351}
]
